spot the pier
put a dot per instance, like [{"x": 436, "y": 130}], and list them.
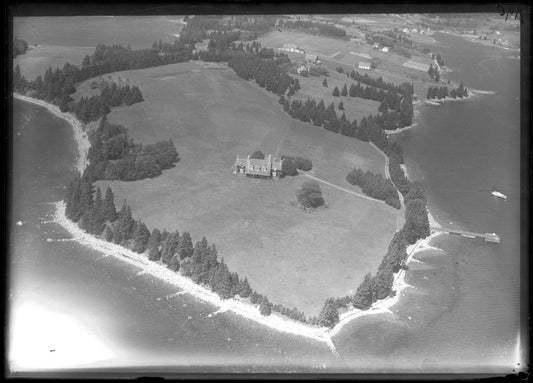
[{"x": 487, "y": 237}]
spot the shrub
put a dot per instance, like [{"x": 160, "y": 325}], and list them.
[
  {"x": 310, "y": 195},
  {"x": 288, "y": 167},
  {"x": 303, "y": 164}
]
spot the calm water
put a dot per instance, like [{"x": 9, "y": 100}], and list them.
[
  {"x": 464, "y": 310},
  {"x": 461, "y": 314}
]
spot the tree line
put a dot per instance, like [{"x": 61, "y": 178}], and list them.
[
  {"x": 379, "y": 286},
  {"x": 375, "y": 186},
  {"x": 89, "y": 109},
  {"x": 404, "y": 88},
  {"x": 97, "y": 215},
  {"x": 114, "y": 156},
  {"x": 441, "y": 92},
  {"x": 314, "y": 27}
]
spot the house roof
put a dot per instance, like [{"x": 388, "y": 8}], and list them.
[
  {"x": 258, "y": 166},
  {"x": 364, "y": 63}
]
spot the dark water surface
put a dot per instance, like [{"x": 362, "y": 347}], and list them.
[{"x": 463, "y": 312}]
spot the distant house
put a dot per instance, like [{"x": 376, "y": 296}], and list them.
[
  {"x": 253, "y": 167},
  {"x": 311, "y": 59},
  {"x": 375, "y": 46},
  {"x": 414, "y": 30},
  {"x": 405, "y": 30},
  {"x": 364, "y": 65},
  {"x": 385, "y": 49},
  {"x": 301, "y": 69},
  {"x": 93, "y": 85}
]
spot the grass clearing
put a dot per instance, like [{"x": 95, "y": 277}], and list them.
[{"x": 295, "y": 257}]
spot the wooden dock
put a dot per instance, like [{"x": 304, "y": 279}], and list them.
[{"x": 487, "y": 237}]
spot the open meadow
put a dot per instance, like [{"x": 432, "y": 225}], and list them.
[
  {"x": 336, "y": 52},
  {"x": 295, "y": 257}
]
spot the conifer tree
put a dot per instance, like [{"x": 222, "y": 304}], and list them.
[
  {"x": 108, "y": 234},
  {"x": 141, "y": 237},
  {"x": 265, "y": 307},
  {"x": 336, "y": 92},
  {"x": 344, "y": 91},
  {"x": 329, "y": 315},
  {"x": 363, "y": 296},
  {"x": 108, "y": 207},
  {"x": 341, "y": 106},
  {"x": 185, "y": 246},
  {"x": 153, "y": 245},
  {"x": 325, "y": 83},
  {"x": 244, "y": 288},
  {"x": 170, "y": 247}
]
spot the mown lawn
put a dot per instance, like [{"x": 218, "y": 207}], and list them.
[{"x": 295, "y": 257}]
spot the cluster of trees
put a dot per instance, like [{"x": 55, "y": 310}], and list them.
[
  {"x": 397, "y": 42},
  {"x": 267, "y": 73},
  {"x": 114, "y": 156},
  {"x": 438, "y": 58},
  {"x": 434, "y": 73},
  {"x": 399, "y": 38},
  {"x": 57, "y": 84},
  {"x": 19, "y": 47},
  {"x": 89, "y": 109},
  {"x": 314, "y": 27},
  {"x": 310, "y": 195},
  {"x": 375, "y": 186},
  {"x": 404, "y": 88},
  {"x": 401, "y": 106},
  {"x": 441, "y": 92},
  {"x": 114, "y": 95},
  {"x": 301, "y": 163},
  {"x": 319, "y": 115},
  {"x": 379, "y": 286}
]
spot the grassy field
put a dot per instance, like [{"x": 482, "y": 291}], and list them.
[
  {"x": 295, "y": 257},
  {"x": 354, "y": 107},
  {"x": 335, "y": 52}
]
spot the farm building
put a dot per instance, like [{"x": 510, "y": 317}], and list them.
[
  {"x": 301, "y": 69},
  {"x": 94, "y": 85},
  {"x": 385, "y": 49},
  {"x": 312, "y": 59},
  {"x": 364, "y": 65},
  {"x": 253, "y": 167}
]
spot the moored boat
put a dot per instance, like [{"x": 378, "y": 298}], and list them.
[{"x": 499, "y": 195}]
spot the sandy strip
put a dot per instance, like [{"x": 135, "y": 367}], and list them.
[
  {"x": 243, "y": 308},
  {"x": 79, "y": 134},
  {"x": 384, "y": 305}
]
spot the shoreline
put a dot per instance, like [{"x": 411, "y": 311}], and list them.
[
  {"x": 81, "y": 138},
  {"x": 240, "y": 307}
]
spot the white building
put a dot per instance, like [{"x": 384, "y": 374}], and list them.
[
  {"x": 385, "y": 49},
  {"x": 301, "y": 69},
  {"x": 364, "y": 65}
]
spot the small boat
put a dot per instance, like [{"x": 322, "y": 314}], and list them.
[{"x": 499, "y": 195}]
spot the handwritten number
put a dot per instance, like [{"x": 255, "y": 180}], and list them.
[{"x": 517, "y": 13}]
